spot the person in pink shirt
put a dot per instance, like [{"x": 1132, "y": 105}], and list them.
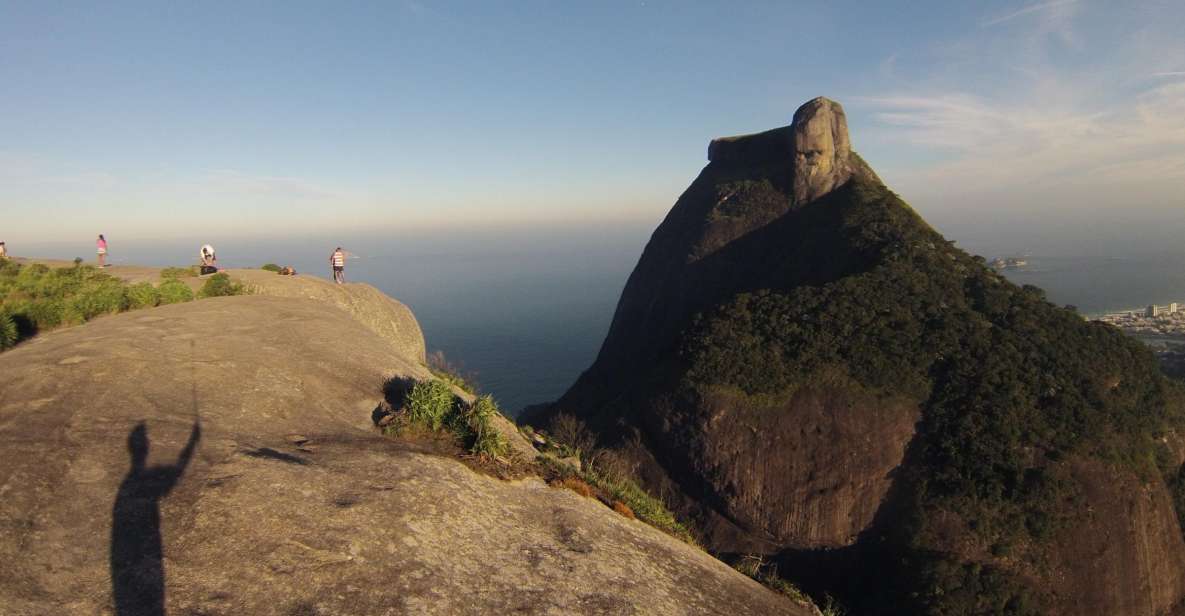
[{"x": 101, "y": 245}]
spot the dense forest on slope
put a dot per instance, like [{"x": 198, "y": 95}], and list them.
[{"x": 1010, "y": 386}]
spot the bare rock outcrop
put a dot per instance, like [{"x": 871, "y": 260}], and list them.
[
  {"x": 218, "y": 457},
  {"x": 822, "y": 150},
  {"x": 816, "y": 145},
  {"x": 385, "y": 316}
]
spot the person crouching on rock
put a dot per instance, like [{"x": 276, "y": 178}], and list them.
[
  {"x": 338, "y": 261},
  {"x": 209, "y": 261}
]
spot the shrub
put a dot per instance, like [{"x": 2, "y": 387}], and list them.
[
  {"x": 45, "y": 313},
  {"x": 271, "y": 267},
  {"x": 174, "y": 291},
  {"x": 178, "y": 272},
  {"x": 429, "y": 403},
  {"x": 96, "y": 297},
  {"x": 220, "y": 285},
  {"x": 142, "y": 295},
  {"x": 8, "y": 331}
]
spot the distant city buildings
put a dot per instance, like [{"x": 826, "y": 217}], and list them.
[{"x": 1151, "y": 321}]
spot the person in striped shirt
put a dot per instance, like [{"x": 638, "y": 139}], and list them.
[{"x": 338, "y": 261}]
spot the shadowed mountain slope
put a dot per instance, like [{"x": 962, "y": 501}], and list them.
[{"x": 816, "y": 374}]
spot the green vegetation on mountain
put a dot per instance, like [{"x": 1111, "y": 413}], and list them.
[
  {"x": 35, "y": 297},
  {"x": 1008, "y": 384}
]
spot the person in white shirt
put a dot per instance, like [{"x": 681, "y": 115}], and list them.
[{"x": 338, "y": 261}]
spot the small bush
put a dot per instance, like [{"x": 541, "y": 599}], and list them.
[
  {"x": 429, "y": 403},
  {"x": 271, "y": 267},
  {"x": 8, "y": 331},
  {"x": 178, "y": 272},
  {"x": 142, "y": 295},
  {"x": 96, "y": 297},
  {"x": 45, "y": 313},
  {"x": 174, "y": 291},
  {"x": 220, "y": 285}
]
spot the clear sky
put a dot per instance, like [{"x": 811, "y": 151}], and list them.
[{"x": 161, "y": 119}]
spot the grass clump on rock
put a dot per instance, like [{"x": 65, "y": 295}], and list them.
[
  {"x": 271, "y": 267},
  {"x": 429, "y": 402},
  {"x": 431, "y": 405}
]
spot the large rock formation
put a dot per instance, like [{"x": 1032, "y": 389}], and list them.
[
  {"x": 218, "y": 457},
  {"x": 390, "y": 319},
  {"x": 816, "y": 374}
]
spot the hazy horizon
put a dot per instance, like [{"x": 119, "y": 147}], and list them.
[{"x": 141, "y": 120}]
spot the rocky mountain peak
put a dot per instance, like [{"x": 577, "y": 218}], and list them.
[{"x": 822, "y": 150}]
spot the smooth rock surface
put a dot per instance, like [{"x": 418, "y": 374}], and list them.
[
  {"x": 822, "y": 149},
  {"x": 288, "y": 502}
]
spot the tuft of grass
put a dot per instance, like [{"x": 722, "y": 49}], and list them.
[
  {"x": 174, "y": 291},
  {"x": 432, "y": 406},
  {"x": 178, "y": 272},
  {"x": 481, "y": 436},
  {"x": 271, "y": 267},
  {"x": 624, "y": 510},
  {"x": 220, "y": 285},
  {"x": 429, "y": 403}
]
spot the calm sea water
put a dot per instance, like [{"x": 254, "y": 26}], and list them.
[{"x": 525, "y": 311}]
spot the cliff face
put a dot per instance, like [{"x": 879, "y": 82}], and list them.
[
  {"x": 817, "y": 374},
  {"x": 218, "y": 457}
]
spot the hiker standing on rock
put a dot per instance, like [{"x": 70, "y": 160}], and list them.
[
  {"x": 338, "y": 261},
  {"x": 101, "y": 248}
]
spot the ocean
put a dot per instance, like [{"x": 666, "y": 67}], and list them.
[{"x": 524, "y": 311}]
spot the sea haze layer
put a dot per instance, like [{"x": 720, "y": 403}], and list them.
[{"x": 525, "y": 310}]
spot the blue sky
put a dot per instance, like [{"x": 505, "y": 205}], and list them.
[{"x": 155, "y": 120}]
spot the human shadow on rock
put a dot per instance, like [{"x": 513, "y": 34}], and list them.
[{"x": 137, "y": 568}]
